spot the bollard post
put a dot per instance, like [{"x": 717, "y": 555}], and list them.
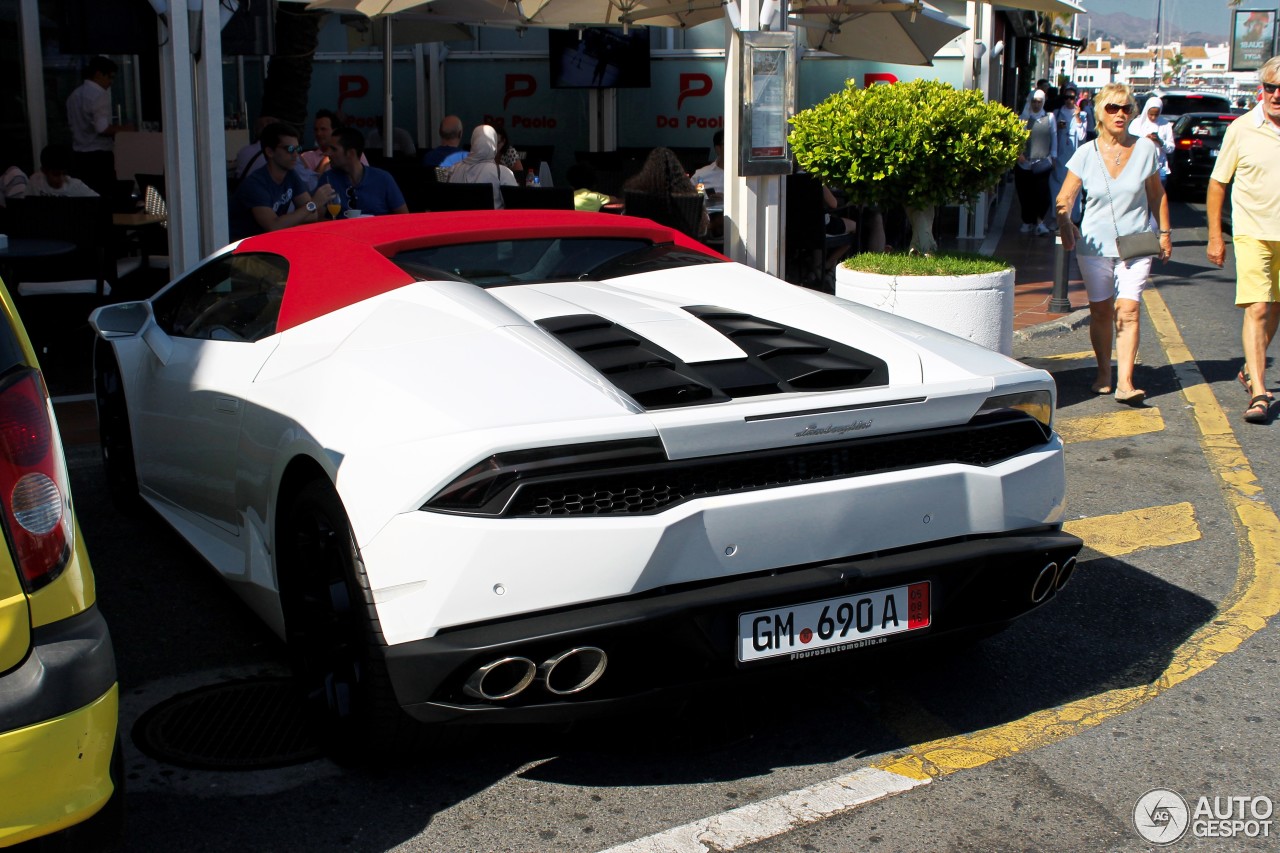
[{"x": 1058, "y": 303}]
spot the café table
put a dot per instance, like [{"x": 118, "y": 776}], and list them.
[
  {"x": 137, "y": 220},
  {"x": 23, "y": 249}
]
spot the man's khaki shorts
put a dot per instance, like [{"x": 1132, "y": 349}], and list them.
[{"x": 1257, "y": 270}]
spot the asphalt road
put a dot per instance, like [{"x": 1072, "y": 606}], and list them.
[{"x": 1139, "y": 676}]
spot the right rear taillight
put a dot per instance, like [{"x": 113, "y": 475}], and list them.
[{"x": 34, "y": 496}]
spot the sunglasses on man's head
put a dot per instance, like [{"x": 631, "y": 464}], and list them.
[
  {"x": 1112, "y": 109},
  {"x": 1270, "y": 88}
]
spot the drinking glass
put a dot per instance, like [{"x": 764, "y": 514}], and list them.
[{"x": 334, "y": 209}]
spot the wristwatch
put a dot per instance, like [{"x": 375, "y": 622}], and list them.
[{"x": 311, "y": 207}]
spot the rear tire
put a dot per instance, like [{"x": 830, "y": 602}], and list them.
[
  {"x": 114, "y": 436},
  {"x": 334, "y": 637}
]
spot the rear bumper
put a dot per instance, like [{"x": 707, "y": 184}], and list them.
[
  {"x": 58, "y": 717},
  {"x": 657, "y": 643}
]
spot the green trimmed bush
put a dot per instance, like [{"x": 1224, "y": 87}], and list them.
[{"x": 918, "y": 143}]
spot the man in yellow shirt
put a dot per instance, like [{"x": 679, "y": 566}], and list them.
[{"x": 1250, "y": 157}]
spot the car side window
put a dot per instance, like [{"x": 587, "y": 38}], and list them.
[{"x": 234, "y": 298}]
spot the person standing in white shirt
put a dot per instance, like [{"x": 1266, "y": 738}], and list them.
[
  {"x": 92, "y": 131},
  {"x": 711, "y": 176}
]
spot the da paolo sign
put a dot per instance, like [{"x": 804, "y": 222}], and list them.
[
  {"x": 1253, "y": 38},
  {"x": 1163, "y": 816}
]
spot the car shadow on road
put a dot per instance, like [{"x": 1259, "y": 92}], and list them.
[{"x": 1113, "y": 626}]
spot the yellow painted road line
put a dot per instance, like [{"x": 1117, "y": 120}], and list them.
[
  {"x": 1119, "y": 424},
  {"x": 1138, "y": 529},
  {"x": 1254, "y": 599}
]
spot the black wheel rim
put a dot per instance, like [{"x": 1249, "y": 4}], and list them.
[{"x": 328, "y": 636}]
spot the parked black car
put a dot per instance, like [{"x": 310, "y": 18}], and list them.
[{"x": 1196, "y": 140}]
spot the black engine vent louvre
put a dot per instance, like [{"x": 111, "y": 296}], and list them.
[
  {"x": 796, "y": 360},
  {"x": 654, "y": 378}
]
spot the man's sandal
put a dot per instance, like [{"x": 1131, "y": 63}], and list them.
[
  {"x": 1259, "y": 409},
  {"x": 1243, "y": 378}
]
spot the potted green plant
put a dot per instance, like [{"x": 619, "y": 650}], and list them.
[{"x": 918, "y": 144}]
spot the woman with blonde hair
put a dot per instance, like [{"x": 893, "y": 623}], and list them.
[{"x": 1120, "y": 174}]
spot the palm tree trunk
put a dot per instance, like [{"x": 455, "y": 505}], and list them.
[{"x": 284, "y": 94}]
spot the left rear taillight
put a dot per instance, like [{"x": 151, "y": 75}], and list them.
[{"x": 34, "y": 496}]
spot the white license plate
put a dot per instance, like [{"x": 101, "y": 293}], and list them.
[{"x": 833, "y": 625}]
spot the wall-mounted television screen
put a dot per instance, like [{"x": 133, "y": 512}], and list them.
[{"x": 599, "y": 58}]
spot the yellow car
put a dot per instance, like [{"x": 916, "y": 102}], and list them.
[{"x": 60, "y": 762}]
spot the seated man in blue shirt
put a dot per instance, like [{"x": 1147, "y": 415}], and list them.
[
  {"x": 274, "y": 197},
  {"x": 449, "y": 152},
  {"x": 368, "y": 189}
]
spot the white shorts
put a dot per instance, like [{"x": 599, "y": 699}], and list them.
[{"x": 1112, "y": 278}]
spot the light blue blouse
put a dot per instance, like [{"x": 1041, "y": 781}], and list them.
[{"x": 1128, "y": 196}]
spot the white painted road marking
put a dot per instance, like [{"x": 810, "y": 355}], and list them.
[{"x": 755, "y": 822}]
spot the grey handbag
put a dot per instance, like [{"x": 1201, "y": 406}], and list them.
[{"x": 1144, "y": 244}]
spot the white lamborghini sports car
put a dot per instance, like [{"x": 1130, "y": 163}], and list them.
[{"x": 535, "y": 465}]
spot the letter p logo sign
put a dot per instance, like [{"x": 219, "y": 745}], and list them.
[
  {"x": 519, "y": 86},
  {"x": 693, "y": 86}
]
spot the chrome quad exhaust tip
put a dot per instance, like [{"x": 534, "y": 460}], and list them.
[
  {"x": 1064, "y": 574},
  {"x": 500, "y": 679},
  {"x": 573, "y": 671},
  {"x": 1045, "y": 583}
]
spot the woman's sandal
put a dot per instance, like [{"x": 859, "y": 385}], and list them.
[
  {"x": 1100, "y": 389},
  {"x": 1259, "y": 409},
  {"x": 1133, "y": 397}
]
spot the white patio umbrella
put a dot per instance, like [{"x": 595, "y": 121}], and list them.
[
  {"x": 480, "y": 13},
  {"x": 599, "y": 13},
  {"x": 1055, "y": 7},
  {"x": 889, "y": 31}
]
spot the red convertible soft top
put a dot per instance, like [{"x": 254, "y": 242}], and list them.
[{"x": 336, "y": 264}]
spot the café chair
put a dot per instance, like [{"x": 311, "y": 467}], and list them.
[
  {"x": 680, "y": 211},
  {"x": 806, "y": 235},
  {"x": 446, "y": 197},
  {"x": 537, "y": 198}
]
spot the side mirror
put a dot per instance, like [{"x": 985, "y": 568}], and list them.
[
  {"x": 125, "y": 318},
  {"x": 128, "y": 319}
]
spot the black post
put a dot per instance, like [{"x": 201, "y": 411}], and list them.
[{"x": 1058, "y": 303}]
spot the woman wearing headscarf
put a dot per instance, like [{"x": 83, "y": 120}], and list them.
[
  {"x": 1120, "y": 174},
  {"x": 1035, "y": 162},
  {"x": 663, "y": 173},
  {"x": 479, "y": 167},
  {"x": 1156, "y": 128},
  {"x": 1071, "y": 124}
]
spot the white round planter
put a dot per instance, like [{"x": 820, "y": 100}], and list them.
[{"x": 976, "y": 307}]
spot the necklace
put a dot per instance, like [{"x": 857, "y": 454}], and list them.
[{"x": 1119, "y": 149}]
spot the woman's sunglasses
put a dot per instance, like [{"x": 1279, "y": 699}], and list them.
[{"x": 1112, "y": 109}]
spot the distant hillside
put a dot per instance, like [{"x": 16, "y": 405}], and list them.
[{"x": 1123, "y": 27}]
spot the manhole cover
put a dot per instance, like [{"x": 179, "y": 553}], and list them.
[{"x": 251, "y": 724}]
